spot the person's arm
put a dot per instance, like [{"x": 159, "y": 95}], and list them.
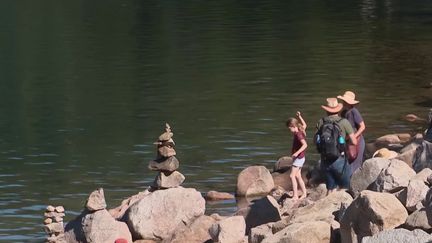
[
  {"x": 301, "y": 120},
  {"x": 301, "y": 149},
  {"x": 360, "y": 130},
  {"x": 353, "y": 139}
]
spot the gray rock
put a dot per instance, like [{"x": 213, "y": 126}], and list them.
[
  {"x": 322, "y": 210},
  {"x": 156, "y": 216},
  {"x": 96, "y": 201},
  {"x": 399, "y": 235},
  {"x": 416, "y": 192},
  {"x": 197, "y": 231},
  {"x": 423, "y": 175},
  {"x": 214, "y": 196},
  {"x": 168, "y": 179},
  {"x": 164, "y": 164},
  {"x": 367, "y": 174},
  {"x": 370, "y": 213},
  {"x": 407, "y": 153},
  {"x": 166, "y": 151},
  {"x": 119, "y": 211},
  {"x": 229, "y": 230},
  {"x": 283, "y": 164},
  {"x": 262, "y": 211},
  {"x": 283, "y": 179},
  {"x": 393, "y": 178},
  {"x": 418, "y": 220},
  {"x": 98, "y": 226},
  {"x": 307, "y": 232},
  {"x": 259, "y": 233},
  {"x": 254, "y": 181}
]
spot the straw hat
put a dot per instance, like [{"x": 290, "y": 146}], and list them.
[
  {"x": 349, "y": 97},
  {"x": 333, "y": 106},
  {"x": 385, "y": 153}
]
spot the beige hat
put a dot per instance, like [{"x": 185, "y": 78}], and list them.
[
  {"x": 385, "y": 153},
  {"x": 333, "y": 106},
  {"x": 349, "y": 97}
]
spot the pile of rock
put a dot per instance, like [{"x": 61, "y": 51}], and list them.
[
  {"x": 54, "y": 224},
  {"x": 96, "y": 224},
  {"x": 166, "y": 163}
]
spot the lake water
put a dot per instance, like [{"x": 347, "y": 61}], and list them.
[{"x": 87, "y": 86}]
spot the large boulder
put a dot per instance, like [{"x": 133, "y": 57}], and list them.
[
  {"x": 423, "y": 175},
  {"x": 119, "y": 211},
  {"x": 422, "y": 158},
  {"x": 284, "y": 180},
  {"x": 261, "y": 211},
  {"x": 283, "y": 164},
  {"x": 98, "y": 226},
  {"x": 253, "y": 181},
  {"x": 322, "y": 210},
  {"x": 156, "y": 216},
  {"x": 168, "y": 179},
  {"x": 229, "y": 230},
  {"x": 416, "y": 193},
  {"x": 393, "y": 178},
  {"x": 197, "y": 231},
  {"x": 399, "y": 235},
  {"x": 96, "y": 200},
  {"x": 364, "y": 176},
  {"x": 260, "y": 232},
  {"x": 307, "y": 232},
  {"x": 370, "y": 213},
  {"x": 407, "y": 153},
  {"x": 418, "y": 220}
]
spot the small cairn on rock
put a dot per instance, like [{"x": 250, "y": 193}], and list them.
[
  {"x": 54, "y": 224},
  {"x": 166, "y": 162}
]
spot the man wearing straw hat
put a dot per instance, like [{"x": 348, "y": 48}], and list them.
[{"x": 337, "y": 171}]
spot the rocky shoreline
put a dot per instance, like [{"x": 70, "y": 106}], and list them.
[{"x": 390, "y": 200}]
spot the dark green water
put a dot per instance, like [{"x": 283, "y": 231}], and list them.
[{"x": 86, "y": 87}]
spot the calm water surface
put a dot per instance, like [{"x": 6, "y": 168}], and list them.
[{"x": 86, "y": 87}]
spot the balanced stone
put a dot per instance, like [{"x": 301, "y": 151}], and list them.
[
  {"x": 54, "y": 228},
  {"x": 167, "y": 165},
  {"x": 96, "y": 200},
  {"x": 59, "y": 209},
  {"x": 48, "y": 221},
  {"x": 166, "y": 151},
  {"x": 53, "y": 214},
  {"x": 168, "y": 180},
  {"x": 50, "y": 208}
]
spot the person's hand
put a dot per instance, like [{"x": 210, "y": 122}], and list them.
[{"x": 298, "y": 114}]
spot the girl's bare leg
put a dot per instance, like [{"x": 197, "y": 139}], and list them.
[
  {"x": 293, "y": 175},
  {"x": 301, "y": 183}
]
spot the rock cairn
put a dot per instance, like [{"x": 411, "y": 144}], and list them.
[
  {"x": 166, "y": 163},
  {"x": 54, "y": 224}
]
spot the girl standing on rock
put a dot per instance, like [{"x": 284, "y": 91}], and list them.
[
  {"x": 299, "y": 146},
  {"x": 351, "y": 113}
]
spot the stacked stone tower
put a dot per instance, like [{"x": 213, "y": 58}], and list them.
[
  {"x": 166, "y": 163},
  {"x": 54, "y": 224}
]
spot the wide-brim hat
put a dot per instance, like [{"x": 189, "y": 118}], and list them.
[
  {"x": 333, "y": 106},
  {"x": 385, "y": 153},
  {"x": 349, "y": 97}
]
